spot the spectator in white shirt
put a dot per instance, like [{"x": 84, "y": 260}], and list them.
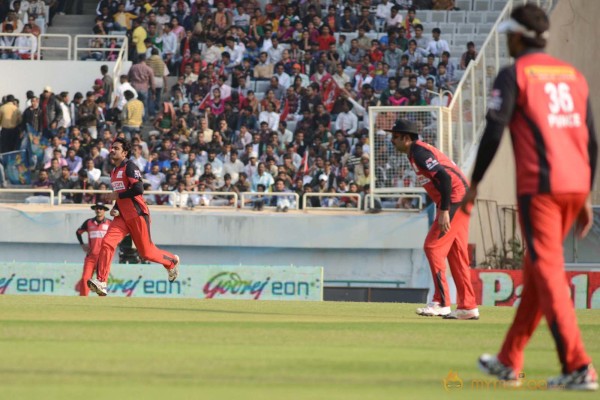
[
  {"x": 394, "y": 20},
  {"x": 284, "y": 79},
  {"x": 437, "y": 46},
  {"x": 267, "y": 43},
  {"x": 211, "y": 53},
  {"x": 27, "y": 44},
  {"x": 383, "y": 11},
  {"x": 137, "y": 157},
  {"x": 346, "y": 121},
  {"x": 233, "y": 166},
  {"x": 65, "y": 121},
  {"x": 93, "y": 173},
  {"x": 252, "y": 166},
  {"x": 362, "y": 78},
  {"x": 262, "y": 177},
  {"x": 235, "y": 50},
  {"x": 216, "y": 165},
  {"x": 120, "y": 99},
  {"x": 169, "y": 45},
  {"x": 49, "y": 151},
  {"x": 270, "y": 116},
  {"x": 275, "y": 52},
  {"x": 284, "y": 135}
]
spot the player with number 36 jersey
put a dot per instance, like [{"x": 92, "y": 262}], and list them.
[{"x": 545, "y": 103}]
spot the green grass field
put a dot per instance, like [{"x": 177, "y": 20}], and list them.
[{"x": 132, "y": 348}]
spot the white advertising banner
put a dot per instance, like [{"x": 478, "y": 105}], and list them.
[{"x": 150, "y": 280}]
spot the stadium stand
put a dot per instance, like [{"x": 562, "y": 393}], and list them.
[{"x": 212, "y": 83}]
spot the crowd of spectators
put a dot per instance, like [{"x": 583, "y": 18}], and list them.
[{"x": 240, "y": 98}]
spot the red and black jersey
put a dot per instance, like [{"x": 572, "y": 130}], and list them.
[
  {"x": 545, "y": 102},
  {"x": 126, "y": 180},
  {"x": 440, "y": 177},
  {"x": 96, "y": 231}
]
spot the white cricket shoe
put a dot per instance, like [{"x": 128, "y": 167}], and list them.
[
  {"x": 463, "y": 314},
  {"x": 98, "y": 287},
  {"x": 584, "y": 378},
  {"x": 433, "y": 310},
  {"x": 490, "y": 365},
  {"x": 174, "y": 272}
]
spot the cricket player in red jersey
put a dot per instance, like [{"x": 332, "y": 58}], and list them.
[
  {"x": 449, "y": 234},
  {"x": 545, "y": 103},
  {"x": 131, "y": 217},
  {"x": 96, "y": 228}
]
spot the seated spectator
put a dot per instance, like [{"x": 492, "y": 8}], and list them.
[
  {"x": 155, "y": 178},
  {"x": 422, "y": 78},
  {"x": 227, "y": 187},
  {"x": 74, "y": 162},
  {"x": 437, "y": 46},
  {"x": 83, "y": 183},
  {"x": 419, "y": 39},
  {"x": 261, "y": 177},
  {"x": 10, "y": 53},
  {"x": 443, "y": 78},
  {"x": 43, "y": 182},
  {"x": 282, "y": 203},
  {"x": 102, "y": 197},
  {"x": 450, "y": 66},
  {"x": 93, "y": 173},
  {"x": 64, "y": 181},
  {"x": 411, "y": 21},
  {"x": 27, "y": 45},
  {"x": 394, "y": 20},
  {"x": 468, "y": 56},
  {"x": 270, "y": 116},
  {"x": 263, "y": 70},
  {"x": 348, "y": 22},
  {"x": 181, "y": 198},
  {"x": 258, "y": 200}
]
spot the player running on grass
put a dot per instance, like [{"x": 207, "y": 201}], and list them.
[
  {"x": 449, "y": 234},
  {"x": 131, "y": 217},
  {"x": 545, "y": 103}
]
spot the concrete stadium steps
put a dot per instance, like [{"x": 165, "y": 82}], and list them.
[{"x": 70, "y": 24}]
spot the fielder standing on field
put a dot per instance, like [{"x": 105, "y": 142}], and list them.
[
  {"x": 545, "y": 103},
  {"x": 131, "y": 217},
  {"x": 449, "y": 235},
  {"x": 96, "y": 228}
]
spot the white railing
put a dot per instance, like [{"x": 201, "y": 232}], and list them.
[
  {"x": 50, "y": 193},
  {"x": 118, "y": 68},
  {"x": 214, "y": 200},
  {"x": 121, "y": 49},
  {"x": 357, "y": 196},
  {"x": 63, "y": 192},
  {"x": 37, "y": 46},
  {"x": 265, "y": 197},
  {"x": 171, "y": 202},
  {"x": 397, "y": 205},
  {"x": 41, "y": 47}
]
